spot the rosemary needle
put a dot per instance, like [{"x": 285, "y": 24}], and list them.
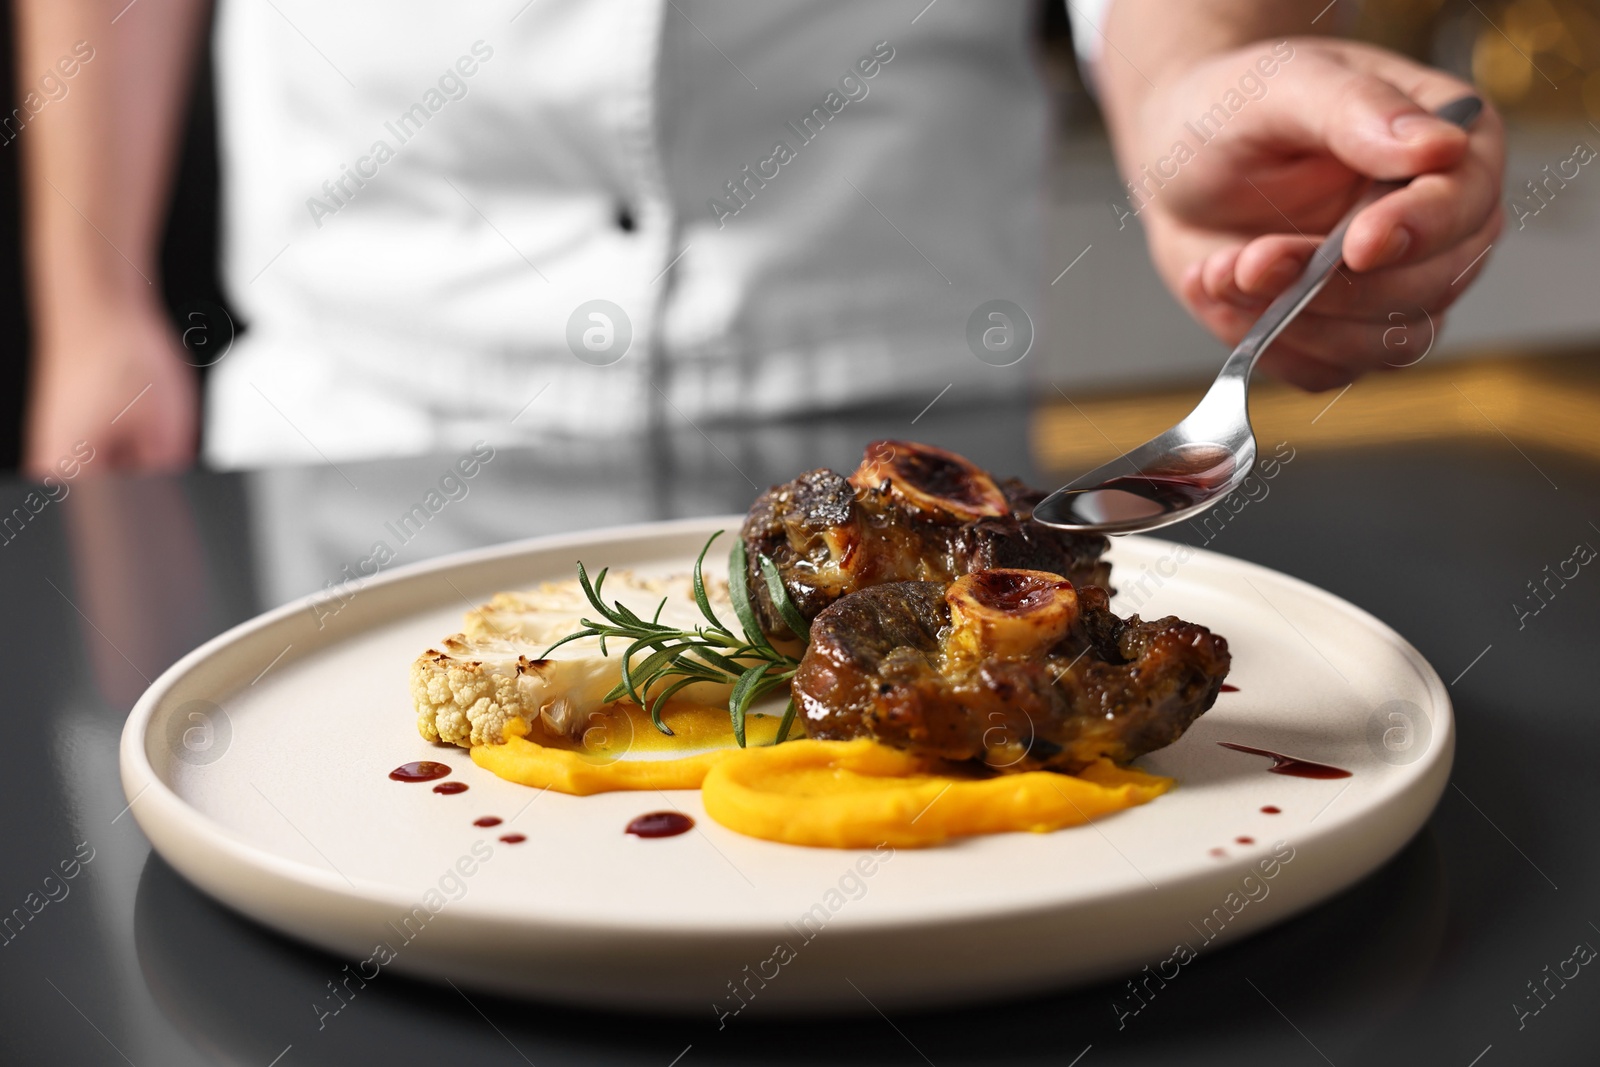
[{"x": 660, "y": 660}]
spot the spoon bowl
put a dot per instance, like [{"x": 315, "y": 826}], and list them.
[{"x": 1209, "y": 454}]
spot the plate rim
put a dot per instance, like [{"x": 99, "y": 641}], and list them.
[{"x": 144, "y": 785}]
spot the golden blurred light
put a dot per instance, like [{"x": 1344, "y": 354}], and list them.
[
  {"x": 1537, "y": 59},
  {"x": 1500, "y": 70},
  {"x": 1543, "y": 402},
  {"x": 1591, "y": 94}
]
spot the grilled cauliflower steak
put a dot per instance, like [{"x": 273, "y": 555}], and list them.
[
  {"x": 910, "y": 512},
  {"x": 1016, "y": 668},
  {"x": 472, "y": 684}
]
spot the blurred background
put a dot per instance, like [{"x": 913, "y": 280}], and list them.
[
  {"x": 1432, "y": 498},
  {"x": 1513, "y": 358},
  {"x": 1525, "y": 326}
]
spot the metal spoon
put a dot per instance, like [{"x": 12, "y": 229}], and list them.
[{"x": 1207, "y": 455}]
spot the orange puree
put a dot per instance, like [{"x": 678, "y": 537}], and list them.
[
  {"x": 600, "y": 764},
  {"x": 860, "y": 794},
  {"x": 828, "y": 794}
]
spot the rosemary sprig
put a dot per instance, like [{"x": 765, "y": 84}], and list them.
[{"x": 660, "y": 660}]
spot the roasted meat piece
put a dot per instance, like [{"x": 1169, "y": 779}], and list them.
[
  {"x": 1014, "y": 668},
  {"x": 910, "y": 512}
]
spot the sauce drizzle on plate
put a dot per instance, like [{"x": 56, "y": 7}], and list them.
[{"x": 1293, "y": 766}]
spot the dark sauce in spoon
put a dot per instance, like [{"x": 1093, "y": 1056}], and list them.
[
  {"x": 1191, "y": 476},
  {"x": 1172, "y": 491},
  {"x": 1290, "y": 765}
]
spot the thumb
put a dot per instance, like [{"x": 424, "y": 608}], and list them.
[{"x": 1369, "y": 124}]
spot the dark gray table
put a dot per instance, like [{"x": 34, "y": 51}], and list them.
[{"x": 1426, "y": 962}]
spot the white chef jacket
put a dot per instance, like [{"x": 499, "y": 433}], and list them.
[{"x": 418, "y": 198}]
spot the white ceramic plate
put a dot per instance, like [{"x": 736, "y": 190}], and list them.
[{"x": 257, "y": 766}]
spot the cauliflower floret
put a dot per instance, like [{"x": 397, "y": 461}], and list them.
[{"x": 473, "y": 683}]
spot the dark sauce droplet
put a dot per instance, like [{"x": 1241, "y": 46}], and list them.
[
  {"x": 1245, "y": 840},
  {"x": 420, "y": 771},
  {"x": 1226, "y": 688},
  {"x": 1290, "y": 765},
  {"x": 449, "y": 788},
  {"x": 1218, "y": 852},
  {"x": 513, "y": 839},
  {"x": 487, "y": 820},
  {"x": 1272, "y": 809},
  {"x": 661, "y": 824}
]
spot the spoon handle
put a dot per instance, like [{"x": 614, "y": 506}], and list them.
[{"x": 1324, "y": 261}]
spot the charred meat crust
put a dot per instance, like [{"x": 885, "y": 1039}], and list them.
[
  {"x": 789, "y": 523},
  {"x": 1110, "y": 688},
  {"x": 829, "y": 538}
]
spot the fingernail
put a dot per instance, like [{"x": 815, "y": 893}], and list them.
[
  {"x": 1395, "y": 247},
  {"x": 1416, "y": 126}
]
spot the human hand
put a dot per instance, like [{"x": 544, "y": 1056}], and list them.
[
  {"x": 116, "y": 381},
  {"x": 1242, "y": 216}
]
